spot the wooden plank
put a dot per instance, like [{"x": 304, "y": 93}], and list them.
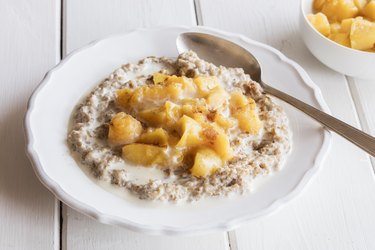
[
  {"x": 84, "y": 24},
  {"x": 363, "y": 97},
  {"x": 29, "y": 46},
  {"x": 336, "y": 209},
  {"x": 85, "y": 233},
  {"x": 90, "y": 20}
]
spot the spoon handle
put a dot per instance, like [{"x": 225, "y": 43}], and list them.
[{"x": 356, "y": 136}]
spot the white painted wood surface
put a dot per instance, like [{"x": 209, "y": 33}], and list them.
[
  {"x": 29, "y": 46},
  {"x": 334, "y": 212}
]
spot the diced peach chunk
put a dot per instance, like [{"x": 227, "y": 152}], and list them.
[
  {"x": 206, "y": 84},
  {"x": 238, "y": 101},
  {"x": 362, "y": 35},
  {"x": 200, "y": 118},
  {"x": 123, "y": 97},
  {"x": 216, "y": 98},
  {"x": 145, "y": 155},
  {"x": 190, "y": 132},
  {"x": 318, "y": 4},
  {"x": 340, "y": 38},
  {"x": 157, "y": 137},
  {"x": 206, "y": 162},
  {"x": 320, "y": 23},
  {"x": 224, "y": 122},
  {"x": 172, "y": 113},
  {"x": 346, "y": 24},
  {"x": 248, "y": 121},
  {"x": 159, "y": 78},
  {"x": 335, "y": 28},
  {"x": 165, "y": 116},
  {"x": 218, "y": 141},
  {"x": 337, "y": 10},
  {"x": 369, "y": 10},
  {"x": 360, "y": 4},
  {"x": 154, "y": 117},
  {"x": 183, "y": 83},
  {"x": 244, "y": 110},
  {"x": 123, "y": 129}
]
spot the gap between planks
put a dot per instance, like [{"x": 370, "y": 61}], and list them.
[
  {"x": 231, "y": 235},
  {"x": 198, "y": 12},
  {"x": 360, "y": 113},
  {"x": 232, "y": 240},
  {"x": 61, "y": 210}
]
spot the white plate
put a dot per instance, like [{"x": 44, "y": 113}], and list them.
[{"x": 52, "y": 102}]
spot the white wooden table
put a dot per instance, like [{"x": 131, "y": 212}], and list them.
[{"x": 337, "y": 211}]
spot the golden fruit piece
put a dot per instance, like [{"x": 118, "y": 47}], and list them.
[
  {"x": 340, "y": 38},
  {"x": 172, "y": 112},
  {"x": 205, "y": 84},
  {"x": 154, "y": 117},
  {"x": 173, "y": 87},
  {"x": 206, "y": 162},
  {"x": 223, "y": 122},
  {"x": 244, "y": 110},
  {"x": 369, "y": 10},
  {"x": 218, "y": 141},
  {"x": 157, "y": 137},
  {"x": 159, "y": 78},
  {"x": 248, "y": 121},
  {"x": 123, "y": 97},
  {"x": 145, "y": 155},
  {"x": 320, "y": 23},
  {"x": 335, "y": 28},
  {"x": 187, "y": 85},
  {"x": 146, "y": 97},
  {"x": 346, "y": 24},
  {"x": 360, "y": 3},
  {"x": 337, "y": 10},
  {"x": 192, "y": 106},
  {"x": 318, "y": 4},
  {"x": 362, "y": 35},
  {"x": 222, "y": 146},
  {"x": 157, "y": 92},
  {"x": 200, "y": 118},
  {"x": 174, "y": 91},
  {"x": 238, "y": 101},
  {"x": 165, "y": 116},
  {"x": 216, "y": 98},
  {"x": 124, "y": 129},
  {"x": 190, "y": 131}
]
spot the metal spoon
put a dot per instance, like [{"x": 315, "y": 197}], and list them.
[{"x": 223, "y": 52}]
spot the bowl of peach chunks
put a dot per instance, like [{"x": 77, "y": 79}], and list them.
[
  {"x": 181, "y": 121},
  {"x": 349, "y": 24}
]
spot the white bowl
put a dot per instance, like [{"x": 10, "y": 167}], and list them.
[{"x": 345, "y": 60}]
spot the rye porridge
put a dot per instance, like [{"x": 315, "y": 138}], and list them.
[{"x": 179, "y": 130}]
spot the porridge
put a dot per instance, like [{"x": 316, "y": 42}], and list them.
[{"x": 179, "y": 130}]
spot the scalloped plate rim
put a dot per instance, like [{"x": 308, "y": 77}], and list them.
[{"x": 55, "y": 188}]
